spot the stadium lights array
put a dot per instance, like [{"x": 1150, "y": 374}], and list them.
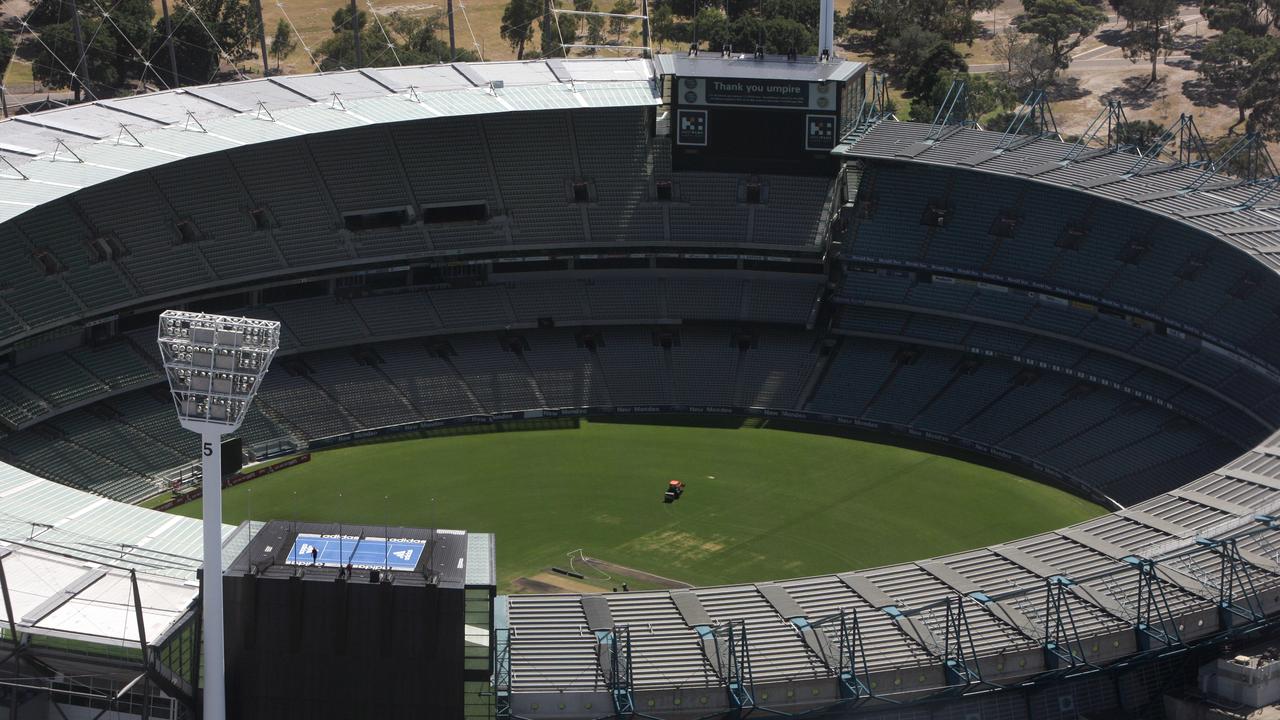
[{"x": 214, "y": 365}]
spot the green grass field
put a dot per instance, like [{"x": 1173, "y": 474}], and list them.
[{"x": 760, "y": 503}]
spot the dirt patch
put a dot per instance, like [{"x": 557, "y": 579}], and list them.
[
  {"x": 1100, "y": 72},
  {"x": 1161, "y": 101},
  {"x": 551, "y": 582},
  {"x": 409, "y": 8},
  {"x": 616, "y": 570},
  {"x": 548, "y": 582},
  {"x": 528, "y": 586}
]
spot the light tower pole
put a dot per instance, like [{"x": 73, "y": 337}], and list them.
[
  {"x": 214, "y": 365},
  {"x": 826, "y": 29}
]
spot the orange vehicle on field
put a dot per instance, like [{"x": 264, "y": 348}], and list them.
[{"x": 675, "y": 489}]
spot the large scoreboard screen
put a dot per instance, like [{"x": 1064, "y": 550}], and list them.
[
  {"x": 742, "y": 92},
  {"x": 759, "y": 115}
]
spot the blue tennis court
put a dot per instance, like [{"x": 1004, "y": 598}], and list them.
[{"x": 369, "y": 552}]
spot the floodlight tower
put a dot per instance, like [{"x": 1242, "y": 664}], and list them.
[{"x": 215, "y": 365}]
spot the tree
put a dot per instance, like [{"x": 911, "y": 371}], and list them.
[
  {"x": 1029, "y": 63},
  {"x": 1151, "y": 26},
  {"x": 338, "y": 51},
  {"x": 619, "y": 25},
  {"x": 131, "y": 21},
  {"x": 888, "y": 19},
  {"x": 1006, "y": 45},
  {"x": 802, "y": 12},
  {"x": 571, "y": 25},
  {"x": 737, "y": 9},
  {"x": 907, "y": 51},
  {"x": 6, "y": 52},
  {"x": 964, "y": 28},
  {"x": 1243, "y": 165},
  {"x": 939, "y": 58},
  {"x": 409, "y": 40},
  {"x": 1060, "y": 24},
  {"x": 203, "y": 30},
  {"x": 54, "y": 62},
  {"x": 1265, "y": 118},
  {"x": 1252, "y": 16},
  {"x": 1260, "y": 93},
  {"x": 1138, "y": 133},
  {"x": 282, "y": 43},
  {"x": 595, "y": 31},
  {"x": 984, "y": 95},
  {"x": 517, "y": 23},
  {"x": 745, "y": 33},
  {"x": 109, "y": 44},
  {"x": 683, "y": 8},
  {"x": 556, "y": 30},
  {"x": 418, "y": 40},
  {"x": 781, "y": 35},
  {"x": 661, "y": 24},
  {"x": 711, "y": 26},
  {"x": 1231, "y": 64}
]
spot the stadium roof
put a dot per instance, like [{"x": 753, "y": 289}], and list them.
[
  {"x": 1241, "y": 213},
  {"x": 50, "y": 154},
  {"x": 67, "y": 556}
]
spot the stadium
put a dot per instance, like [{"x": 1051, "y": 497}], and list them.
[{"x": 688, "y": 239}]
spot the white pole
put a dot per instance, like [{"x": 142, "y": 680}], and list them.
[
  {"x": 215, "y": 699},
  {"x": 826, "y": 26}
]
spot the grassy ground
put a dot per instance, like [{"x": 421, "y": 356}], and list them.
[{"x": 760, "y": 503}]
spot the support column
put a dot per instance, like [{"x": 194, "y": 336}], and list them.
[
  {"x": 82, "y": 69},
  {"x": 355, "y": 33},
  {"x": 215, "y": 696},
  {"x": 142, "y": 643},
  {"x": 453, "y": 48},
  {"x": 173, "y": 55},
  {"x": 262, "y": 39},
  {"x": 826, "y": 28},
  {"x": 548, "y": 40},
  {"x": 644, "y": 28},
  {"x": 13, "y": 632}
]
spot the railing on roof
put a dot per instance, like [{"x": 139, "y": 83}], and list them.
[{"x": 875, "y": 107}]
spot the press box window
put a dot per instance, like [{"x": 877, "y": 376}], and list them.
[
  {"x": 455, "y": 212},
  {"x": 376, "y": 220}
]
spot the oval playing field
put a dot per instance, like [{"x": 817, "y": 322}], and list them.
[{"x": 760, "y": 503}]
